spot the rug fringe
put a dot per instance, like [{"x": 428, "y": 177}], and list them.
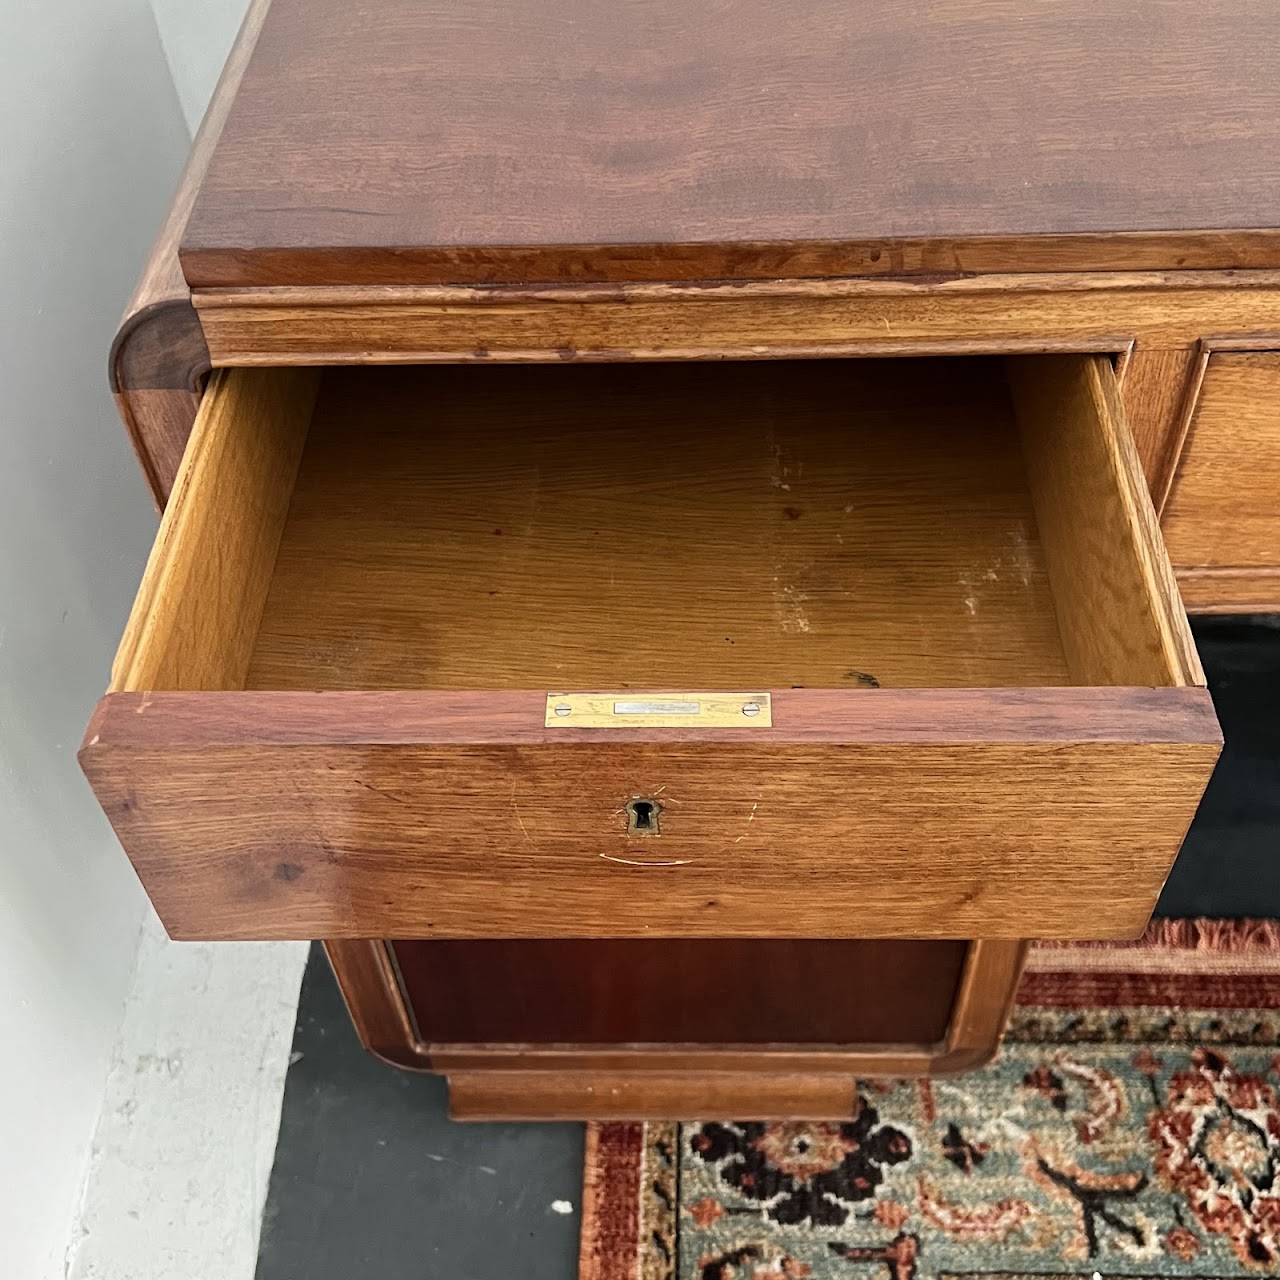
[{"x": 1234, "y": 936}]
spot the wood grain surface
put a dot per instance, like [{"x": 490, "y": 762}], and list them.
[
  {"x": 1118, "y": 609},
  {"x": 693, "y": 1059},
  {"x": 379, "y": 996},
  {"x": 826, "y": 524},
  {"x": 1073, "y": 312},
  {"x": 1159, "y": 387},
  {"x": 431, "y": 800},
  {"x": 1224, "y": 510},
  {"x": 709, "y": 991},
  {"x": 376, "y": 992},
  {"x": 159, "y": 356},
  {"x": 370, "y": 987},
  {"x": 256, "y": 837},
  {"x": 195, "y": 620},
  {"x": 988, "y": 988},
  {"x": 1154, "y": 323},
  {"x": 970, "y": 1028},
  {"x": 1230, "y": 590},
  {"x": 781, "y": 1082},
  {"x": 937, "y": 717},
  {"x": 159, "y": 422},
  {"x": 631, "y": 1095},
  {"x": 651, "y": 144},
  {"x": 454, "y": 142}
]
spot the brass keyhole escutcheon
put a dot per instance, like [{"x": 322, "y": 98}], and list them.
[{"x": 642, "y": 817}]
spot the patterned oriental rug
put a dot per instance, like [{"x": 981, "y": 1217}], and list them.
[{"x": 1130, "y": 1127}]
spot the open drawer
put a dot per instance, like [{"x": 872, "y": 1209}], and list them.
[{"x": 881, "y": 648}]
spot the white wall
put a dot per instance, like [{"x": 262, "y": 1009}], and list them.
[
  {"x": 92, "y": 140},
  {"x": 197, "y": 36}
]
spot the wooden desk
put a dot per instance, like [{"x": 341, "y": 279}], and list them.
[{"x": 727, "y": 610}]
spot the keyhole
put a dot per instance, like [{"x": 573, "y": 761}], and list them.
[{"x": 642, "y": 817}]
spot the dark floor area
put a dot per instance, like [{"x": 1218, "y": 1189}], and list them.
[
  {"x": 1230, "y": 863},
  {"x": 372, "y": 1179}
]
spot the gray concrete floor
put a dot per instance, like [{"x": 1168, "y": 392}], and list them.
[{"x": 372, "y": 1179}]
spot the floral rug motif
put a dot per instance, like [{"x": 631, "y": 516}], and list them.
[{"x": 1130, "y": 1127}]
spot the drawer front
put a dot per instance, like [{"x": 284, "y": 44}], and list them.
[
  {"x": 885, "y": 813},
  {"x": 311, "y": 808},
  {"x": 1222, "y": 520}
]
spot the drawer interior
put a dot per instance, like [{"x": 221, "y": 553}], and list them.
[{"x": 838, "y": 524}]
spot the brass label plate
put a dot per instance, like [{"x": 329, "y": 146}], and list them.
[{"x": 630, "y": 710}]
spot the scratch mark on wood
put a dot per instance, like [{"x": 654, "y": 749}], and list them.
[
  {"x": 378, "y": 791},
  {"x": 632, "y": 862},
  {"x": 863, "y": 679},
  {"x": 751, "y": 817},
  {"x": 515, "y": 808}
]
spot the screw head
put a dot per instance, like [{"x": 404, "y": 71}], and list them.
[
  {"x": 562, "y": 710},
  {"x": 751, "y": 709}
]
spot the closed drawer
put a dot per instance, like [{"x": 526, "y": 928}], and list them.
[
  {"x": 939, "y": 581},
  {"x": 1222, "y": 518}
]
